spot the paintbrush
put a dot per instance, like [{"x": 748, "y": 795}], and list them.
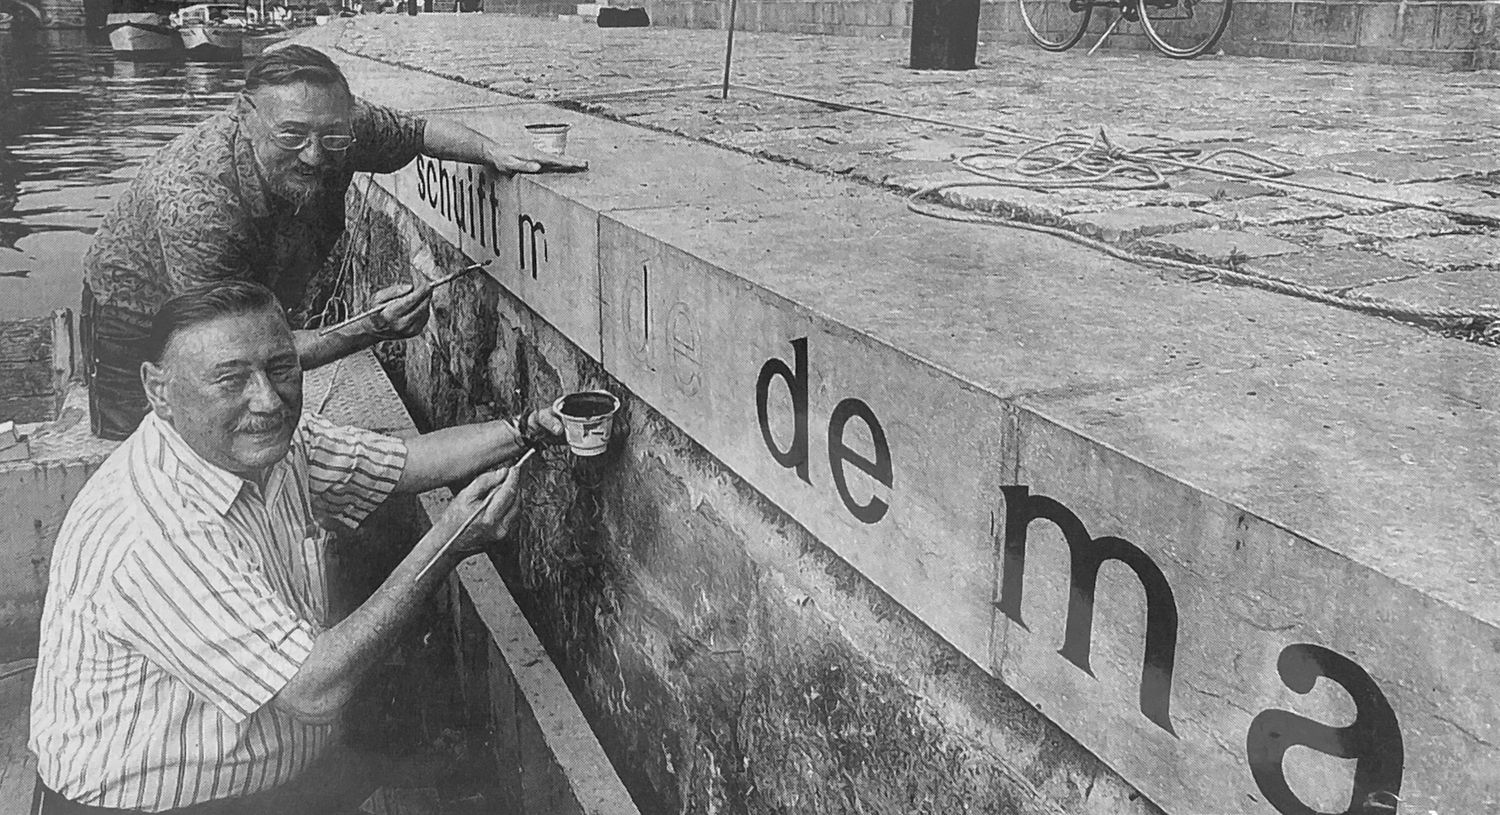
[
  {"x": 442, "y": 281},
  {"x": 469, "y": 521}
]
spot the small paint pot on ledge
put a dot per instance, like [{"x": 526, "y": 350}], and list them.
[
  {"x": 588, "y": 419},
  {"x": 549, "y": 137}
]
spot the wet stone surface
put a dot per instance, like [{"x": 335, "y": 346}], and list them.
[{"x": 1377, "y": 144}]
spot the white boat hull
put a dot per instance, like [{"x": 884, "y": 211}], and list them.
[
  {"x": 141, "y": 31},
  {"x": 212, "y": 41}
]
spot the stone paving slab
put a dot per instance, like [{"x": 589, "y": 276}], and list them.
[
  {"x": 1222, "y": 246},
  {"x": 1338, "y": 269},
  {"x": 1414, "y": 136},
  {"x": 1451, "y": 289}
]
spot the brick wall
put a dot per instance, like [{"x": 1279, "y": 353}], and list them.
[
  {"x": 51, "y": 13},
  {"x": 1447, "y": 34}
]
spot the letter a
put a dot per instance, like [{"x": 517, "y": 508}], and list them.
[{"x": 1373, "y": 740}]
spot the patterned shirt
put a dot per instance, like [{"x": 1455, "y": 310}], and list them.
[
  {"x": 199, "y": 212},
  {"x": 181, "y": 599}
]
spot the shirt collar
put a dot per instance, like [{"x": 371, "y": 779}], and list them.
[{"x": 214, "y": 484}]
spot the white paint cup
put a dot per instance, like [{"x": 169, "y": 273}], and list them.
[
  {"x": 588, "y": 418},
  {"x": 549, "y": 138}
]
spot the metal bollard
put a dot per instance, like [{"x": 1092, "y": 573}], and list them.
[{"x": 944, "y": 34}]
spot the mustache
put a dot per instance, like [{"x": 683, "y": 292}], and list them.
[
  {"x": 300, "y": 170},
  {"x": 264, "y": 423}
]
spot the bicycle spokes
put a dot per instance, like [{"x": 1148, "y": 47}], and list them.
[
  {"x": 1056, "y": 25},
  {"x": 1184, "y": 28},
  {"x": 1178, "y": 28}
]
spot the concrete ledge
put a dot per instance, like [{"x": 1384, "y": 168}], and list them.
[
  {"x": 34, "y": 497},
  {"x": 1161, "y": 512},
  {"x": 575, "y": 775}
]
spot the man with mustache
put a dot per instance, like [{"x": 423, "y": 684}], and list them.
[
  {"x": 257, "y": 193},
  {"x": 187, "y": 663}
]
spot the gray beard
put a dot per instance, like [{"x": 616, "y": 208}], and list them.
[{"x": 298, "y": 195}]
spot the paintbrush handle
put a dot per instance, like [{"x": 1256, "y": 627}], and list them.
[
  {"x": 468, "y": 522},
  {"x": 442, "y": 281}
]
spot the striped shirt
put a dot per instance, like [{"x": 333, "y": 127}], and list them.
[{"x": 181, "y": 599}]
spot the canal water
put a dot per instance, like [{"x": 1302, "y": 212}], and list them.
[{"x": 75, "y": 124}]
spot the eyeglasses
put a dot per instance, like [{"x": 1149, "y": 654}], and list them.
[{"x": 293, "y": 141}]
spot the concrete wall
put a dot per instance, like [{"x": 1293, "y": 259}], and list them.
[
  {"x": 728, "y": 660},
  {"x": 914, "y": 516},
  {"x": 34, "y": 496}
]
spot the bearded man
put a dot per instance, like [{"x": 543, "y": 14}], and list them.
[{"x": 257, "y": 193}]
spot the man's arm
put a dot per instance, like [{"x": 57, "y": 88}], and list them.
[
  {"x": 457, "y": 453},
  {"x": 315, "y": 351},
  {"x": 447, "y": 139},
  {"x": 342, "y": 655},
  {"x": 404, "y": 316}
]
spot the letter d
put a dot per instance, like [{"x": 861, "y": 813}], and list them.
[{"x": 795, "y": 456}]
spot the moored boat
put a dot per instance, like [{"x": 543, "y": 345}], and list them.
[
  {"x": 212, "y": 30},
  {"x": 225, "y": 31},
  {"x": 5, "y": 21},
  {"x": 215, "y": 41},
  {"x": 141, "y": 32}
]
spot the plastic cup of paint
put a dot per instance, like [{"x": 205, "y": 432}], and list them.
[
  {"x": 549, "y": 137},
  {"x": 588, "y": 418}
]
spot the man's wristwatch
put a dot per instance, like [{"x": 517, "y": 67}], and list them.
[{"x": 528, "y": 436}]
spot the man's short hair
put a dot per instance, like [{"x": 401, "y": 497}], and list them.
[
  {"x": 201, "y": 304},
  {"x": 295, "y": 63}
]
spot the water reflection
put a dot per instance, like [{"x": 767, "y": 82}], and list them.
[{"x": 75, "y": 124}]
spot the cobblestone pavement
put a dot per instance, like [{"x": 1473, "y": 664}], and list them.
[{"x": 1412, "y": 136}]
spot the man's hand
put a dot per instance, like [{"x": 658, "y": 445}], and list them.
[
  {"x": 498, "y": 493},
  {"x": 541, "y": 426},
  {"x": 405, "y": 312},
  {"x": 509, "y": 161}
]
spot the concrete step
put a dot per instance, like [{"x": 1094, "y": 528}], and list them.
[{"x": 1160, "y": 511}]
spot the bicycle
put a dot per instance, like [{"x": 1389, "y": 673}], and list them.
[{"x": 1181, "y": 29}]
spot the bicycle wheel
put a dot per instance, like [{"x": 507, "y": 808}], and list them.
[
  {"x": 1056, "y": 25},
  {"x": 1183, "y": 29}
]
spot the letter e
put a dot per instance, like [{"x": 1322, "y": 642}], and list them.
[{"x": 878, "y": 468}]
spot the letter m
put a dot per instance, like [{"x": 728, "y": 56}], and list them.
[
  {"x": 526, "y": 227},
  {"x": 1086, "y": 554}
]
